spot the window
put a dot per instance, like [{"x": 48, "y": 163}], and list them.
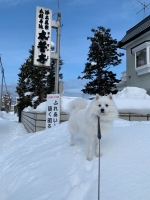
[{"x": 142, "y": 58}]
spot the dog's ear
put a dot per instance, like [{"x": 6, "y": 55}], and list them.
[
  {"x": 110, "y": 96},
  {"x": 97, "y": 97}
]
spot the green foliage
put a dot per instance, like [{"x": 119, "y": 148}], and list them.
[
  {"x": 103, "y": 53},
  {"x": 23, "y": 103},
  {"x": 40, "y": 81}
]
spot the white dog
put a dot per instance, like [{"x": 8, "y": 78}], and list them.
[{"x": 84, "y": 119}]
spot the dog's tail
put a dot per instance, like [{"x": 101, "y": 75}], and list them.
[{"x": 77, "y": 105}]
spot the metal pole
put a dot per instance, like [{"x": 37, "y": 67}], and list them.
[{"x": 58, "y": 53}]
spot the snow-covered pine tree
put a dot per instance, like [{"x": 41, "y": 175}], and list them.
[
  {"x": 102, "y": 55},
  {"x": 37, "y": 81}
]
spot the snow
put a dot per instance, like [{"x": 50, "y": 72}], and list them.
[
  {"x": 35, "y": 99},
  {"x": 41, "y": 107},
  {"x": 25, "y": 80},
  {"x": 129, "y": 100},
  {"x": 28, "y": 93},
  {"x": 44, "y": 79},
  {"x": 43, "y": 166},
  {"x": 132, "y": 92},
  {"x": 47, "y": 74},
  {"x": 28, "y": 109},
  {"x": 93, "y": 63},
  {"x": 52, "y": 44}
]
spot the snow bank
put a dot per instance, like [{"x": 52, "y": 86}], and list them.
[
  {"x": 129, "y": 100},
  {"x": 41, "y": 107},
  {"x": 133, "y": 100},
  {"x": 132, "y": 93},
  {"x": 138, "y": 106},
  {"x": 28, "y": 109}
]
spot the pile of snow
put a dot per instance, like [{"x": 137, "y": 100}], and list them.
[
  {"x": 129, "y": 100},
  {"x": 134, "y": 106},
  {"x": 41, "y": 107},
  {"x": 133, "y": 100},
  {"x": 132, "y": 93}
]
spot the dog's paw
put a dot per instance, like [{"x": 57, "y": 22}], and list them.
[
  {"x": 97, "y": 154},
  {"x": 89, "y": 158},
  {"x": 71, "y": 144}
]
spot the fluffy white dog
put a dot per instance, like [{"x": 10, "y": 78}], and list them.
[{"x": 84, "y": 119}]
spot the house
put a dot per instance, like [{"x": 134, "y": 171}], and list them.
[{"x": 136, "y": 42}]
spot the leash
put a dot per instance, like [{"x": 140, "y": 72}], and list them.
[{"x": 99, "y": 137}]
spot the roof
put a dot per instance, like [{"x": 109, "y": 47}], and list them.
[{"x": 136, "y": 31}]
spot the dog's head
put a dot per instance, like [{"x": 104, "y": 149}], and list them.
[{"x": 103, "y": 105}]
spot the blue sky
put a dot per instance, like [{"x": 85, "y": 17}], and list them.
[{"x": 17, "y": 21}]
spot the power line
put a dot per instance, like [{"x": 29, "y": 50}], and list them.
[
  {"x": 144, "y": 7},
  {"x": 137, "y": 5}
]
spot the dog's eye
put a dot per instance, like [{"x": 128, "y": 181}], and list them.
[
  {"x": 106, "y": 105},
  {"x": 99, "y": 105}
]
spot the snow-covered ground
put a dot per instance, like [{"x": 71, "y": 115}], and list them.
[{"x": 43, "y": 165}]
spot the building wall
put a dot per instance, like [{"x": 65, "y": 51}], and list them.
[{"x": 141, "y": 81}]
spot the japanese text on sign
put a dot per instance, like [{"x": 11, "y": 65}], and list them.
[
  {"x": 42, "y": 46},
  {"x": 52, "y": 110}
]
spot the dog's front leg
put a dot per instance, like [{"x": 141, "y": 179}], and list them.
[
  {"x": 72, "y": 140},
  {"x": 90, "y": 147}
]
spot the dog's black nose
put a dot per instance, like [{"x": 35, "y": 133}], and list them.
[{"x": 102, "y": 110}]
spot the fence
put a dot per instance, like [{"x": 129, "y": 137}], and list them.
[{"x": 34, "y": 122}]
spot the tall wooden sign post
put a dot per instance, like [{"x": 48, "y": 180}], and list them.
[{"x": 42, "y": 46}]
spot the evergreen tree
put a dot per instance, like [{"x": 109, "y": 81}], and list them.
[
  {"x": 39, "y": 81},
  {"x": 102, "y": 55}
]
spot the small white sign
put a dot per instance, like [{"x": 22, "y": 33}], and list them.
[
  {"x": 52, "y": 110},
  {"x": 42, "y": 45}
]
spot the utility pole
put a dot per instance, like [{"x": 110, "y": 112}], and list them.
[
  {"x": 2, "y": 71},
  {"x": 58, "y": 52}
]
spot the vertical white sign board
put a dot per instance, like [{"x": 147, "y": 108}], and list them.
[
  {"x": 42, "y": 46},
  {"x": 52, "y": 110}
]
